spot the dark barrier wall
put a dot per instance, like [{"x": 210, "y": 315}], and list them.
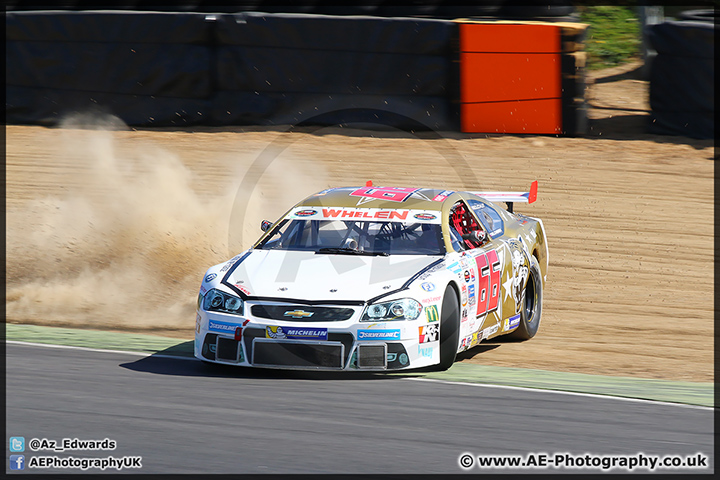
[
  {"x": 179, "y": 69},
  {"x": 287, "y": 69},
  {"x": 682, "y": 79},
  {"x": 505, "y": 9},
  {"x": 146, "y": 68}
]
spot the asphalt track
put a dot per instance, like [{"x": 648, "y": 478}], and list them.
[{"x": 182, "y": 417}]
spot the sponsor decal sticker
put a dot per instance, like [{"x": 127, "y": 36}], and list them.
[
  {"x": 467, "y": 276},
  {"x": 198, "y": 322},
  {"x": 431, "y": 300},
  {"x": 425, "y": 351},
  {"x": 224, "y": 327},
  {"x": 306, "y": 213},
  {"x": 489, "y": 331},
  {"x": 454, "y": 267},
  {"x": 428, "y": 286},
  {"x": 230, "y": 263},
  {"x": 378, "y": 334},
  {"x": 243, "y": 289},
  {"x": 442, "y": 196},
  {"x": 359, "y": 213},
  {"x": 296, "y": 333},
  {"x": 429, "y": 333},
  {"x": 210, "y": 277},
  {"x": 431, "y": 313},
  {"x": 365, "y": 213},
  {"x": 511, "y": 322}
]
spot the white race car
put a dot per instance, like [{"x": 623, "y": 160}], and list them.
[{"x": 377, "y": 278}]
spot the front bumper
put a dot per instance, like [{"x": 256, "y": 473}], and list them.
[{"x": 347, "y": 345}]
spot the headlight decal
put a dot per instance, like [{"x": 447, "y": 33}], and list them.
[
  {"x": 402, "y": 309},
  {"x": 219, "y": 301}
]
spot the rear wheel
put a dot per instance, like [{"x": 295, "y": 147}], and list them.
[
  {"x": 531, "y": 304},
  {"x": 449, "y": 328}
]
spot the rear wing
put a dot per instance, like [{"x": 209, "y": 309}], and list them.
[{"x": 511, "y": 197}]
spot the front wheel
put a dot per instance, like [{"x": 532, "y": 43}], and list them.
[
  {"x": 531, "y": 304},
  {"x": 449, "y": 328}
]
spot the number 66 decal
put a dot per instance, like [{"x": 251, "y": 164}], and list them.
[{"x": 488, "y": 266}]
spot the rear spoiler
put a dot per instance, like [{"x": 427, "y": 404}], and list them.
[{"x": 511, "y": 197}]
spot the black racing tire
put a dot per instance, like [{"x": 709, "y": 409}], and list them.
[
  {"x": 449, "y": 328},
  {"x": 531, "y": 304}
]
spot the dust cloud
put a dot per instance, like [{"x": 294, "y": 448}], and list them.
[{"x": 125, "y": 241}]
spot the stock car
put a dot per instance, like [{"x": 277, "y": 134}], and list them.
[{"x": 377, "y": 279}]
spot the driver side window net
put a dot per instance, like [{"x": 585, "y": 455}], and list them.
[{"x": 462, "y": 227}]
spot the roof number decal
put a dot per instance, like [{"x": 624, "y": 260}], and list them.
[{"x": 394, "y": 194}]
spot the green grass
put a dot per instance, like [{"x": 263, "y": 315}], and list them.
[{"x": 613, "y": 37}]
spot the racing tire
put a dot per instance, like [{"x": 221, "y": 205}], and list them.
[
  {"x": 531, "y": 304},
  {"x": 449, "y": 328}
]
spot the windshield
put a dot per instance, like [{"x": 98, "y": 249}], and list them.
[{"x": 356, "y": 237}]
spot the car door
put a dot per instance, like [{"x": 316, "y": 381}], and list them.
[
  {"x": 482, "y": 263},
  {"x": 513, "y": 255}
]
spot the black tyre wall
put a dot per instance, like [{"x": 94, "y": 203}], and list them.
[
  {"x": 179, "y": 69},
  {"x": 147, "y": 68},
  {"x": 279, "y": 69},
  {"x": 682, "y": 79}
]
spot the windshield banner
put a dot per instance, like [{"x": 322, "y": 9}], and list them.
[{"x": 364, "y": 214}]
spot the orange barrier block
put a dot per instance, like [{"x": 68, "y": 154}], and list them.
[
  {"x": 493, "y": 77},
  {"x": 510, "y": 78},
  {"x": 519, "y": 116},
  {"x": 509, "y": 38}
]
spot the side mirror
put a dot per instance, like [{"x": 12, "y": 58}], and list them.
[{"x": 265, "y": 225}]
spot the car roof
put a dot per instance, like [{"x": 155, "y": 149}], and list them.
[{"x": 380, "y": 197}]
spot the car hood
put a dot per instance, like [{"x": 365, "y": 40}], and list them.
[{"x": 323, "y": 277}]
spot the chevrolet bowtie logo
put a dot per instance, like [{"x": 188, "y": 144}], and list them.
[{"x": 298, "y": 314}]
